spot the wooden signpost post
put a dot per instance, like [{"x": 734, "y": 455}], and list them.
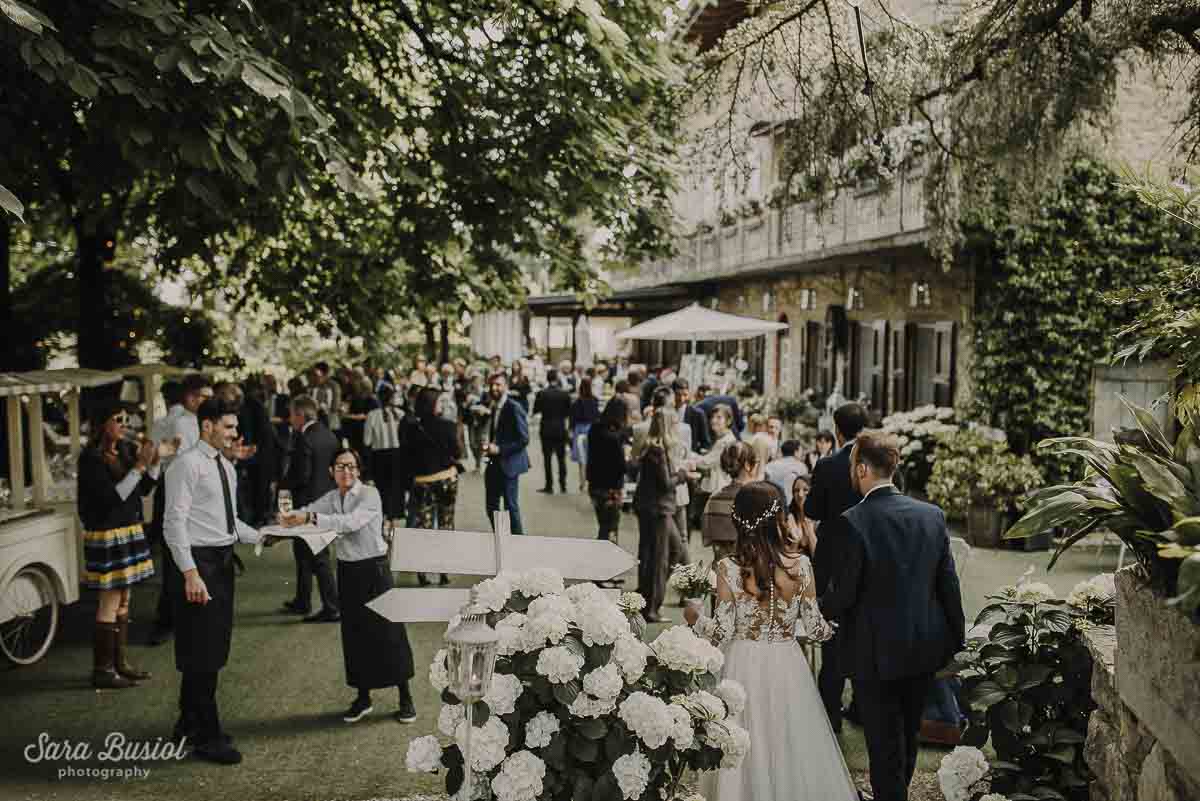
[{"x": 479, "y": 554}]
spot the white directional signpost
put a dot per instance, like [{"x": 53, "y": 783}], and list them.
[{"x": 478, "y": 554}]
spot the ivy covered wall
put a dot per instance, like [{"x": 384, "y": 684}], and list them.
[{"x": 1042, "y": 317}]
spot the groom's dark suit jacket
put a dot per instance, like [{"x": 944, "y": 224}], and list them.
[{"x": 895, "y": 592}]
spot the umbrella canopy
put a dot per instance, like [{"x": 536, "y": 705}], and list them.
[
  {"x": 696, "y": 323},
  {"x": 583, "y": 341}
]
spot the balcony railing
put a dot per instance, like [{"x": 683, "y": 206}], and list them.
[{"x": 778, "y": 238}]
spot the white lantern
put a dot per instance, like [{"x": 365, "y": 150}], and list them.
[{"x": 471, "y": 653}]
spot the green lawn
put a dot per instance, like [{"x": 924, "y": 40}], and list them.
[{"x": 283, "y": 693}]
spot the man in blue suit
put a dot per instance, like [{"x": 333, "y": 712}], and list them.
[
  {"x": 896, "y": 595},
  {"x": 508, "y": 441}
]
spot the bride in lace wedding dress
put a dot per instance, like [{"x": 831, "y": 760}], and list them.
[{"x": 765, "y": 599}]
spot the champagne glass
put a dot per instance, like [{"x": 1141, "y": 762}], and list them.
[{"x": 285, "y": 502}]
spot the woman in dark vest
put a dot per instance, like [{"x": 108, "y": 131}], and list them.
[
  {"x": 375, "y": 650},
  {"x": 115, "y": 473}
]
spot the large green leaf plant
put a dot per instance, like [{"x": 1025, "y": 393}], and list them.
[{"x": 1141, "y": 488}]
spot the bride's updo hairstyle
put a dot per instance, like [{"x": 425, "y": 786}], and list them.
[{"x": 761, "y": 521}]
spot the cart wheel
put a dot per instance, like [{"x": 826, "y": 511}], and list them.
[{"x": 29, "y": 609}]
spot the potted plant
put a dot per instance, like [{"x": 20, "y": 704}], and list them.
[
  {"x": 976, "y": 478},
  {"x": 919, "y": 431},
  {"x": 695, "y": 583}
]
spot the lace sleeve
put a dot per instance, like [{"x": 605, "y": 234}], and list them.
[
  {"x": 720, "y": 628},
  {"x": 811, "y": 625}
]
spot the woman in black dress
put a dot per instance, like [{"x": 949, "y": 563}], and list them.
[
  {"x": 376, "y": 651},
  {"x": 114, "y": 475},
  {"x": 606, "y": 466},
  {"x": 431, "y": 447}
]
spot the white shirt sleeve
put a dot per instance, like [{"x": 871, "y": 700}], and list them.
[
  {"x": 127, "y": 485},
  {"x": 179, "y": 484}
]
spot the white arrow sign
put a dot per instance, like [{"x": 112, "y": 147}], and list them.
[{"x": 477, "y": 554}]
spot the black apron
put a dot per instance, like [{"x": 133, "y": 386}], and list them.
[
  {"x": 203, "y": 632},
  {"x": 376, "y": 651}
]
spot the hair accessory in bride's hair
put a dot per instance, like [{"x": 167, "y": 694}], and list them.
[{"x": 748, "y": 525}]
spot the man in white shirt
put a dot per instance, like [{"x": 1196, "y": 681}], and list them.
[
  {"x": 200, "y": 527},
  {"x": 784, "y": 472},
  {"x": 179, "y": 426}
]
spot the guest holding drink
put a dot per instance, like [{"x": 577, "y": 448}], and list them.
[
  {"x": 114, "y": 475},
  {"x": 376, "y": 651}
]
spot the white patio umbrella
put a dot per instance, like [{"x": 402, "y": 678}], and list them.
[
  {"x": 583, "y": 341},
  {"x": 696, "y": 323}
]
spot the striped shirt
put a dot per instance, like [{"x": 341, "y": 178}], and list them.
[{"x": 382, "y": 432}]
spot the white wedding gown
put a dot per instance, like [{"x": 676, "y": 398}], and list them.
[{"x": 794, "y": 755}]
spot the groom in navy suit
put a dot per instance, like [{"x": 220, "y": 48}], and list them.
[
  {"x": 896, "y": 596},
  {"x": 508, "y": 441}
]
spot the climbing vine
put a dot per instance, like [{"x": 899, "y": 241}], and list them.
[{"x": 1042, "y": 320}]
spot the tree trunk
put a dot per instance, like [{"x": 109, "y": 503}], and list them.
[
  {"x": 97, "y": 347},
  {"x": 445, "y": 354},
  {"x": 430, "y": 340}
]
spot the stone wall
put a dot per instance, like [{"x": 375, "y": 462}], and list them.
[{"x": 1141, "y": 742}]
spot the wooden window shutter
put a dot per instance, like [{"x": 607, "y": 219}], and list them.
[
  {"x": 813, "y": 355},
  {"x": 899, "y": 359},
  {"x": 877, "y": 372},
  {"x": 946, "y": 351}
]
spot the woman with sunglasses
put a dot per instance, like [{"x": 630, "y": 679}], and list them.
[
  {"x": 376, "y": 651},
  {"x": 115, "y": 473}
]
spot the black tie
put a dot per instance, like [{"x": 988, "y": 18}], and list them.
[{"x": 229, "y": 526}]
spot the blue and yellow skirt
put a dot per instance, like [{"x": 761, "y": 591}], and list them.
[{"x": 117, "y": 558}]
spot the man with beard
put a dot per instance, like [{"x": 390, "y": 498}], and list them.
[{"x": 507, "y": 443}]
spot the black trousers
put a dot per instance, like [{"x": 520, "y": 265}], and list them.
[
  {"x": 608, "y": 515},
  {"x": 831, "y": 681},
  {"x": 555, "y": 448},
  {"x": 199, "y": 719},
  {"x": 308, "y": 565},
  {"x": 891, "y": 716}
]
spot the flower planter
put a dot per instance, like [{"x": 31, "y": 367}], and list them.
[
  {"x": 1157, "y": 648},
  {"x": 985, "y": 525}
]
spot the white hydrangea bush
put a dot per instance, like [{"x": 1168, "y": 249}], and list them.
[{"x": 580, "y": 705}]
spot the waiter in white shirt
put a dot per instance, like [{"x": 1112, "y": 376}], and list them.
[
  {"x": 201, "y": 527},
  {"x": 181, "y": 428}
]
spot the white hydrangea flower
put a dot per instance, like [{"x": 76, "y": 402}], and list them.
[
  {"x": 540, "y": 729},
  {"x": 631, "y": 603},
  {"x": 702, "y": 705},
  {"x": 549, "y": 619},
  {"x": 511, "y": 632},
  {"x": 631, "y": 655},
  {"x": 731, "y": 739},
  {"x": 578, "y": 593},
  {"x": 960, "y": 769},
  {"x": 681, "y": 731},
  {"x": 1096, "y": 590},
  {"x": 559, "y": 664},
  {"x": 424, "y": 755},
  {"x": 488, "y": 743},
  {"x": 604, "y": 682},
  {"x": 632, "y": 772},
  {"x": 439, "y": 677},
  {"x": 520, "y": 778},
  {"x": 539, "y": 581},
  {"x": 648, "y": 718},
  {"x": 1035, "y": 592},
  {"x": 601, "y": 622},
  {"x": 494, "y": 593},
  {"x": 449, "y": 717},
  {"x": 994, "y": 797},
  {"x": 680, "y": 649},
  {"x": 588, "y": 706},
  {"x": 503, "y": 693},
  {"x": 733, "y": 694}
]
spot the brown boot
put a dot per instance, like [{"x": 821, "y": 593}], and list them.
[
  {"x": 104, "y": 671},
  {"x": 121, "y": 662}
]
